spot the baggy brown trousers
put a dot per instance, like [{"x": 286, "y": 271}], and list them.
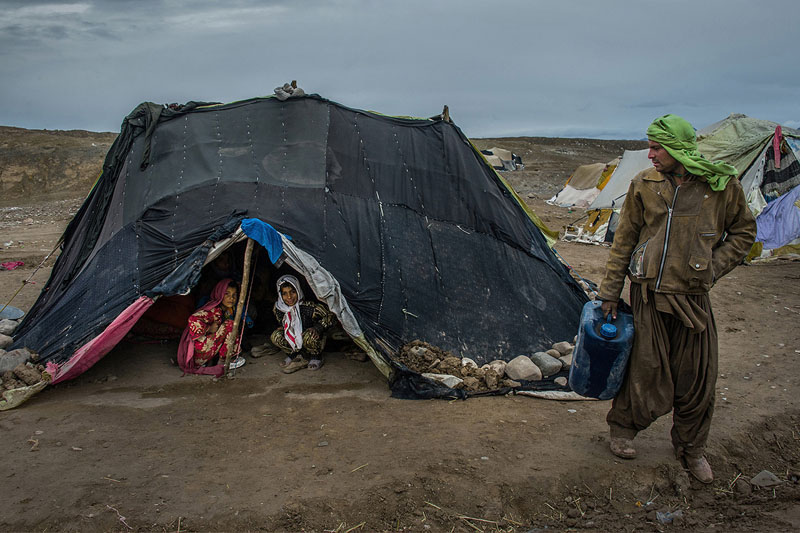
[{"x": 673, "y": 366}]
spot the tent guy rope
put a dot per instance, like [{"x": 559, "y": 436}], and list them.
[{"x": 35, "y": 270}]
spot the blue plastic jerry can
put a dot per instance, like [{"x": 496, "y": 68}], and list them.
[{"x": 602, "y": 350}]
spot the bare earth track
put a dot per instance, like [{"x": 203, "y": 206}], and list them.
[{"x": 133, "y": 446}]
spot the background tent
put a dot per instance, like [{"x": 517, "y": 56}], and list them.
[
  {"x": 600, "y": 218},
  {"x": 502, "y": 159},
  {"x": 613, "y": 194},
  {"x": 583, "y": 186},
  {"x": 772, "y": 188},
  {"x": 737, "y": 139},
  {"x": 403, "y": 219}
]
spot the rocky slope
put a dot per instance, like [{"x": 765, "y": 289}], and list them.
[{"x": 42, "y": 164}]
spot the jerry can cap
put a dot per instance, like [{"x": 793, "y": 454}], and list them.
[{"x": 608, "y": 330}]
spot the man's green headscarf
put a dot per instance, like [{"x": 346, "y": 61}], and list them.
[{"x": 677, "y": 136}]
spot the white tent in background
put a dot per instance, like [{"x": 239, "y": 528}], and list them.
[
  {"x": 584, "y": 185},
  {"x": 613, "y": 194},
  {"x": 502, "y": 159},
  {"x": 609, "y": 199},
  {"x": 581, "y": 187}
]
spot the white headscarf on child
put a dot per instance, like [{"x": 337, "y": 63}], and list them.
[{"x": 292, "y": 323}]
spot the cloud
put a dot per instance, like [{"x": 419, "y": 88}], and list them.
[
  {"x": 650, "y": 104},
  {"x": 226, "y": 18},
  {"x": 34, "y": 12},
  {"x": 539, "y": 68},
  {"x": 40, "y": 24}
]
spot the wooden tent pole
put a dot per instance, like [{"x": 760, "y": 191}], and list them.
[{"x": 237, "y": 320}]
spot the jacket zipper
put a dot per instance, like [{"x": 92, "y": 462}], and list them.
[{"x": 666, "y": 238}]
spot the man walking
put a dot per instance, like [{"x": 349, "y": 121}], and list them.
[{"x": 684, "y": 224}]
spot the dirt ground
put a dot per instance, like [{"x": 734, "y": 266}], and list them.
[{"x": 133, "y": 446}]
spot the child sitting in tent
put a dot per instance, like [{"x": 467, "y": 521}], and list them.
[
  {"x": 203, "y": 346},
  {"x": 303, "y": 329}
]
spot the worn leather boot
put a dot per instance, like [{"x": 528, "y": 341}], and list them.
[
  {"x": 622, "y": 447},
  {"x": 699, "y": 468}
]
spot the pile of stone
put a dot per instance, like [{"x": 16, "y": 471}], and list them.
[
  {"x": 464, "y": 373},
  {"x": 7, "y": 327},
  {"x": 18, "y": 367},
  {"x": 22, "y": 375}
]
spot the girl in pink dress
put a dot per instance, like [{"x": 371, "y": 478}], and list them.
[{"x": 205, "y": 336}]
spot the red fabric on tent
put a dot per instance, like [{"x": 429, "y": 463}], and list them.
[{"x": 94, "y": 350}]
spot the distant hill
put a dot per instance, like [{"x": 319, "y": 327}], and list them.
[{"x": 49, "y": 163}]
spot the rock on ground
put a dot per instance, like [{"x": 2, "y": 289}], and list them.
[
  {"x": 445, "y": 379},
  {"x": 547, "y": 364},
  {"x": 491, "y": 378},
  {"x": 11, "y": 382},
  {"x": 7, "y": 326},
  {"x": 498, "y": 366},
  {"x": 10, "y": 360},
  {"x": 419, "y": 351},
  {"x": 563, "y": 347},
  {"x": 466, "y": 361},
  {"x": 450, "y": 365},
  {"x": 552, "y": 352},
  {"x": 28, "y": 374},
  {"x": 742, "y": 486},
  {"x": 5, "y": 341},
  {"x": 521, "y": 367},
  {"x": 471, "y": 383},
  {"x": 765, "y": 479}
]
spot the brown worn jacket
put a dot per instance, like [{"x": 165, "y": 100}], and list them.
[{"x": 678, "y": 240}]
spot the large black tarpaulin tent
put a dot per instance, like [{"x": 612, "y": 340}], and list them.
[{"x": 421, "y": 237}]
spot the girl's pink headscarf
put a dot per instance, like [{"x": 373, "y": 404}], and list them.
[{"x": 186, "y": 347}]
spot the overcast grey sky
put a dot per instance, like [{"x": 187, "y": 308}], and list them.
[{"x": 583, "y": 68}]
